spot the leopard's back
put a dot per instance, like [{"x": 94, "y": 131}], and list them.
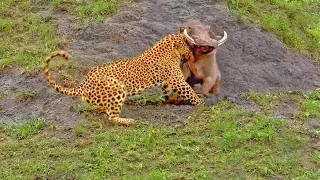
[{"x": 140, "y": 73}]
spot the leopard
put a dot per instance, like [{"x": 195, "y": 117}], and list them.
[{"x": 108, "y": 86}]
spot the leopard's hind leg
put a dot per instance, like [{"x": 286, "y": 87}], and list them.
[{"x": 108, "y": 94}]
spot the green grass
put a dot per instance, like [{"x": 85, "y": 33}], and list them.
[
  {"x": 225, "y": 141},
  {"x": 145, "y": 98},
  {"x": 97, "y": 9},
  {"x": 24, "y": 95},
  {"x": 296, "y": 23},
  {"x": 93, "y": 9},
  {"x": 22, "y": 131},
  {"x": 26, "y": 92},
  {"x": 27, "y": 38},
  {"x": 311, "y": 105},
  {"x": 84, "y": 108},
  {"x": 267, "y": 102}
]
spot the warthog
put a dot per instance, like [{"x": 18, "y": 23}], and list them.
[{"x": 204, "y": 68}]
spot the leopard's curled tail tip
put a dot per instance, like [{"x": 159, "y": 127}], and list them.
[
  {"x": 61, "y": 89},
  {"x": 60, "y": 53}
]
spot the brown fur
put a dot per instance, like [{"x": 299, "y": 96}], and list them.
[{"x": 204, "y": 69}]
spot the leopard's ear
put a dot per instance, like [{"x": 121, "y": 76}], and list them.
[{"x": 174, "y": 46}]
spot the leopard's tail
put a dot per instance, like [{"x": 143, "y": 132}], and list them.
[{"x": 61, "y": 89}]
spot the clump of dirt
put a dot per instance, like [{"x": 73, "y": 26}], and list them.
[
  {"x": 314, "y": 133},
  {"x": 251, "y": 59}
]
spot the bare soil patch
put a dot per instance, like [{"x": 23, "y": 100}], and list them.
[{"x": 251, "y": 59}]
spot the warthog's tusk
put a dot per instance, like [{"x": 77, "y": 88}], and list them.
[
  {"x": 224, "y": 38},
  {"x": 188, "y": 37}
]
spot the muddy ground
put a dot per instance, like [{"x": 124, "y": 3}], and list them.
[{"x": 251, "y": 59}]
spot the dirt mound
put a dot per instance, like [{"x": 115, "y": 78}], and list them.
[{"x": 250, "y": 59}]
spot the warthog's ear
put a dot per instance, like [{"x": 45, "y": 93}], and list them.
[
  {"x": 181, "y": 29},
  {"x": 220, "y": 39},
  {"x": 213, "y": 35}
]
